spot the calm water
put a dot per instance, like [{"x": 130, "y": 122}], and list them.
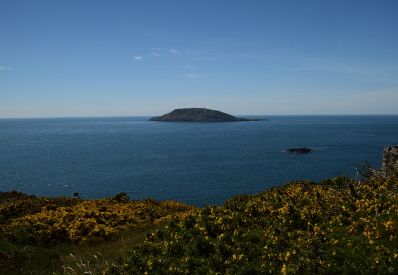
[{"x": 193, "y": 163}]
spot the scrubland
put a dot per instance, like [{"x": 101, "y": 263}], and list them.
[{"x": 337, "y": 226}]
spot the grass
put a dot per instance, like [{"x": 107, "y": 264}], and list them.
[
  {"x": 93, "y": 259},
  {"x": 70, "y": 259}
]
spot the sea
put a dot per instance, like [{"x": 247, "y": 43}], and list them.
[{"x": 193, "y": 163}]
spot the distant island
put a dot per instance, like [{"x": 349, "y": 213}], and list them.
[
  {"x": 199, "y": 115},
  {"x": 299, "y": 150}
]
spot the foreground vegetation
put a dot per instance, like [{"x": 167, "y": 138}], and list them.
[
  {"x": 43, "y": 235},
  {"x": 336, "y": 226}
]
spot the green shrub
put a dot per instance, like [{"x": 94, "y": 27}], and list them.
[{"x": 334, "y": 227}]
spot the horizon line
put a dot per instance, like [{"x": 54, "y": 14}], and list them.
[{"x": 125, "y": 116}]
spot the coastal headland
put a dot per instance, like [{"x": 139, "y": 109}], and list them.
[{"x": 199, "y": 115}]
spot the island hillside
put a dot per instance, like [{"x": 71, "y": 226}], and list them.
[{"x": 198, "y": 115}]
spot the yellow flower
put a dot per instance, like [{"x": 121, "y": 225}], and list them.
[{"x": 284, "y": 272}]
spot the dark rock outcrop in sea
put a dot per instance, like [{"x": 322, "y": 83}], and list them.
[
  {"x": 299, "y": 150},
  {"x": 199, "y": 115}
]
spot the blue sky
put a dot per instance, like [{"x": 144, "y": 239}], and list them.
[{"x": 131, "y": 58}]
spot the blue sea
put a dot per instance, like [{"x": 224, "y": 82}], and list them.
[{"x": 193, "y": 163}]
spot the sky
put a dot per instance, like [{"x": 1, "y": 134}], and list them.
[{"x": 83, "y": 58}]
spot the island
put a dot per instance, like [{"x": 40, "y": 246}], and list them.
[
  {"x": 199, "y": 115},
  {"x": 299, "y": 150}
]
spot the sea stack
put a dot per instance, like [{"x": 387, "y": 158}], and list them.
[{"x": 299, "y": 150}]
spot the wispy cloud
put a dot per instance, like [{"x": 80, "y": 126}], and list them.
[
  {"x": 138, "y": 58},
  {"x": 5, "y": 68},
  {"x": 156, "y": 54},
  {"x": 174, "y": 51},
  {"x": 194, "y": 75}
]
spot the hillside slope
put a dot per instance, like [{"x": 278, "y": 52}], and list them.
[
  {"x": 338, "y": 226},
  {"x": 198, "y": 115}
]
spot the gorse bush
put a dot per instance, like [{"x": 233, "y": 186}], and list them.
[
  {"x": 337, "y": 226},
  {"x": 48, "y": 221}
]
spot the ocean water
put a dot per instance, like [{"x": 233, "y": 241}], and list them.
[{"x": 192, "y": 163}]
